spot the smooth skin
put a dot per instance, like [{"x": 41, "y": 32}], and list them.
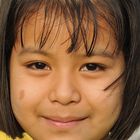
[{"x": 57, "y": 95}]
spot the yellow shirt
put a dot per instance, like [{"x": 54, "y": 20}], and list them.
[{"x": 3, "y": 136}]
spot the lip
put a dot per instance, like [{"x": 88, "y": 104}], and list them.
[{"x": 64, "y": 122}]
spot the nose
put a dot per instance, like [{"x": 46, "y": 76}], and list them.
[{"x": 64, "y": 91}]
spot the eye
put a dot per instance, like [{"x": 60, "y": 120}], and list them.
[
  {"x": 38, "y": 66},
  {"x": 92, "y": 67}
]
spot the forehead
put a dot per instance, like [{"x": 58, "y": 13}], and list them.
[{"x": 42, "y": 30}]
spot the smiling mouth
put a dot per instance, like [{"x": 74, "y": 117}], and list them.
[{"x": 64, "y": 123}]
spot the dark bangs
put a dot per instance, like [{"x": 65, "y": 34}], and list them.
[{"x": 78, "y": 15}]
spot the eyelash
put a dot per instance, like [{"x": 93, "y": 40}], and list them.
[
  {"x": 86, "y": 67},
  {"x": 93, "y": 67},
  {"x": 38, "y": 66}
]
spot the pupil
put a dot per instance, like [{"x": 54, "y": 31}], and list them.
[
  {"x": 40, "y": 65},
  {"x": 91, "y": 66}
]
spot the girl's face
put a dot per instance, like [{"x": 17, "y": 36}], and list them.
[{"x": 57, "y": 95}]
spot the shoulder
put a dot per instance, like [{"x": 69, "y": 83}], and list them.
[{"x": 3, "y": 136}]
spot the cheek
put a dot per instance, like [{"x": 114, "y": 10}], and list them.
[
  {"x": 96, "y": 95},
  {"x": 105, "y": 106},
  {"x": 26, "y": 93},
  {"x": 104, "y": 103}
]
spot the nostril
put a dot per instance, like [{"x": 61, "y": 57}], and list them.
[
  {"x": 76, "y": 97},
  {"x": 64, "y": 98}
]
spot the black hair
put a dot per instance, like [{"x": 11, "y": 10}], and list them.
[
  {"x": 123, "y": 17},
  {"x": 4, "y": 8}
]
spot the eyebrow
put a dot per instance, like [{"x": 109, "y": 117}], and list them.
[
  {"x": 104, "y": 53},
  {"x": 33, "y": 51},
  {"x": 101, "y": 53}
]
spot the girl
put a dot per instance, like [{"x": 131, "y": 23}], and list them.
[{"x": 70, "y": 70}]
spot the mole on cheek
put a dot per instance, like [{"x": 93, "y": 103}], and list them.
[{"x": 21, "y": 94}]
